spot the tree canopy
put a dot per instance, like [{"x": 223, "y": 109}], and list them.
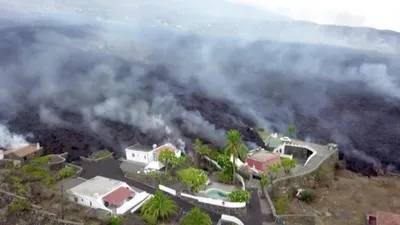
[
  {"x": 194, "y": 178},
  {"x": 288, "y": 164},
  {"x": 170, "y": 160},
  {"x": 197, "y": 217},
  {"x": 160, "y": 206},
  {"x": 234, "y": 147}
]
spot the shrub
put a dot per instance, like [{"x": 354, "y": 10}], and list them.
[
  {"x": 307, "y": 195},
  {"x": 224, "y": 177},
  {"x": 239, "y": 196},
  {"x": 65, "y": 173},
  {"x": 281, "y": 204},
  {"x": 102, "y": 154},
  {"x": 19, "y": 205},
  {"x": 114, "y": 220},
  {"x": 261, "y": 129},
  {"x": 41, "y": 160}
]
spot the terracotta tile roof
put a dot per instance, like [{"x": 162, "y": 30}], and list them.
[
  {"x": 22, "y": 152},
  {"x": 385, "y": 218},
  {"x": 165, "y": 147},
  {"x": 117, "y": 196}
]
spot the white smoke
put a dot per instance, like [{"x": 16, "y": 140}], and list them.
[{"x": 9, "y": 140}]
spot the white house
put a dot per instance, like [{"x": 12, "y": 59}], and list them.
[
  {"x": 149, "y": 155},
  {"x": 1, "y": 154},
  {"x": 107, "y": 194}
]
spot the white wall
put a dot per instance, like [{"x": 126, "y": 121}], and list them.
[
  {"x": 218, "y": 202},
  {"x": 89, "y": 202},
  {"x": 133, "y": 202},
  {"x": 139, "y": 156},
  {"x": 1, "y": 154},
  {"x": 167, "y": 189},
  {"x": 232, "y": 219}
]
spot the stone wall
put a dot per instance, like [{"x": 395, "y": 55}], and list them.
[
  {"x": 297, "y": 152},
  {"x": 309, "y": 180},
  {"x": 88, "y": 159},
  {"x": 238, "y": 212},
  {"x": 58, "y": 161},
  {"x": 290, "y": 183}
]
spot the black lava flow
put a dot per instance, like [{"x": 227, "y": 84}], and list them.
[{"x": 374, "y": 131}]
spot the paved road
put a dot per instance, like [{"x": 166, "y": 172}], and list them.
[{"x": 111, "y": 168}]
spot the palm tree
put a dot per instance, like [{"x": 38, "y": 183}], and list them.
[
  {"x": 159, "y": 206},
  {"x": 234, "y": 147},
  {"x": 197, "y": 217}
]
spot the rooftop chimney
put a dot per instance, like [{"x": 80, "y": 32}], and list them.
[
  {"x": 37, "y": 146},
  {"x": 154, "y": 146}
]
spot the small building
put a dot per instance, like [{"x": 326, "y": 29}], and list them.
[
  {"x": 273, "y": 142},
  {"x": 383, "y": 218},
  {"x": 149, "y": 155},
  {"x": 107, "y": 194},
  {"x": 260, "y": 160},
  {"x": 1, "y": 154},
  {"x": 25, "y": 153}
]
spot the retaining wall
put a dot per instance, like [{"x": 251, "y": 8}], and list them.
[
  {"x": 78, "y": 169},
  {"x": 86, "y": 159},
  {"x": 304, "y": 180},
  {"x": 217, "y": 205},
  {"x": 59, "y": 164}
]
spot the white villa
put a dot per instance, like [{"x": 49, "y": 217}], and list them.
[
  {"x": 149, "y": 155},
  {"x": 107, "y": 194}
]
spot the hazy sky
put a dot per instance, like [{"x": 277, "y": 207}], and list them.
[{"x": 382, "y": 14}]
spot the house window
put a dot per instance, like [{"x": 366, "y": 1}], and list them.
[
  {"x": 133, "y": 154},
  {"x": 144, "y": 157},
  {"x": 75, "y": 199},
  {"x": 90, "y": 203}
]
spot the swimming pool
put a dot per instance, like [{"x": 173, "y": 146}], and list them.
[{"x": 216, "y": 194}]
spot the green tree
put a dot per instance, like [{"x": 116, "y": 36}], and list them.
[
  {"x": 291, "y": 130},
  {"x": 274, "y": 170},
  {"x": 288, "y": 165},
  {"x": 239, "y": 196},
  {"x": 234, "y": 148},
  {"x": 158, "y": 207},
  {"x": 170, "y": 160},
  {"x": 194, "y": 178},
  {"x": 263, "y": 180},
  {"x": 197, "y": 217},
  {"x": 65, "y": 173}
]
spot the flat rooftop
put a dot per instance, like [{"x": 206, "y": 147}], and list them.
[
  {"x": 139, "y": 147},
  {"x": 97, "y": 185},
  {"x": 261, "y": 155}
]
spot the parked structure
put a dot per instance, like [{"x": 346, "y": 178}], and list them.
[
  {"x": 261, "y": 159},
  {"x": 383, "y": 218},
  {"x": 149, "y": 155},
  {"x": 107, "y": 194},
  {"x": 25, "y": 153}
]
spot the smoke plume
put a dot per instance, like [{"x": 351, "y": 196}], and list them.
[{"x": 176, "y": 70}]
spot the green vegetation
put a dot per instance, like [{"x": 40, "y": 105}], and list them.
[
  {"x": 239, "y": 196},
  {"x": 307, "y": 195},
  {"x": 41, "y": 160},
  {"x": 291, "y": 130},
  {"x": 288, "y": 165},
  {"x": 194, "y": 178},
  {"x": 234, "y": 147},
  {"x": 274, "y": 170},
  {"x": 197, "y": 217},
  {"x": 169, "y": 159},
  {"x": 65, "y": 173},
  {"x": 281, "y": 204},
  {"x": 114, "y": 220},
  {"x": 158, "y": 208},
  {"x": 101, "y": 154},
  {"x": 19, "y": 206},
  {"x": 200, "y": 151},
  {"x": 264, "y": 180}
]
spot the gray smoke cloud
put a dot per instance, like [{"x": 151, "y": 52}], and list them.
[{"x": 99, "y": 59}]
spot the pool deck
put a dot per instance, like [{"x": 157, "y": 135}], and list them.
[{"x": 219, "y": 186}]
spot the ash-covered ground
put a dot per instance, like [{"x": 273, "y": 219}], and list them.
[{"x": 75, "y": 84}]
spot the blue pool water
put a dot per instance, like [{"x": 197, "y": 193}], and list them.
[{"x": 217, "y": 194}]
